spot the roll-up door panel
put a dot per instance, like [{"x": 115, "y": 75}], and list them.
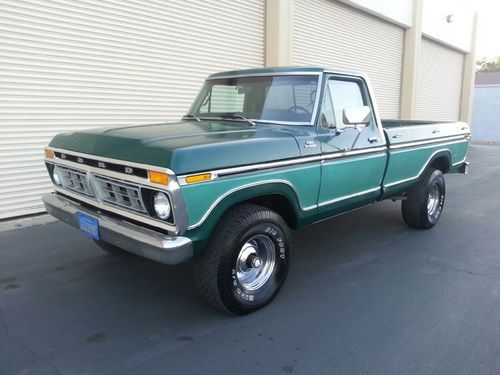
[
  {"x": 331, "y": 34},
  {"x": 439, "y": 82},
  {"x": 67, "y": 65}
]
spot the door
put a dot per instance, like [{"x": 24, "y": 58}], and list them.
[{"x": 354, "y": 160}]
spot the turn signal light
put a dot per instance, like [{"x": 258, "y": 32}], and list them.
[
  {"x": 158, "y": 177},
  {"x": 49, "y": 154},
  {"x": 198, "y": 178}
]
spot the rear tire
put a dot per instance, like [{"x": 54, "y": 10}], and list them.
[
  {"x": 113, "y": 250},
  {"x": 425, "y": 202},
  {"x": 246, "y": 261}
]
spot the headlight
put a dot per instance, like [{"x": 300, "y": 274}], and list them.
[
  {"x": 55, "y": 176},
  {"x": 161, "y": 205}
]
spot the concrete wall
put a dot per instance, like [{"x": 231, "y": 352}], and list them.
[
  {"x": 456, "y": 31},
  {"x": 486, "y": 113}
]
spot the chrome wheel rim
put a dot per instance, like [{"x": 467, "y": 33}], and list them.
[
  {"x": 433, "y": 201},
  {"x": 255, "y": 262}
]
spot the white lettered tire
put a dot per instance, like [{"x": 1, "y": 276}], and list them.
[{"x": 246, "y": 261}]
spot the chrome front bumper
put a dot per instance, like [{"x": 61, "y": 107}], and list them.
[{"x": 130, "y": 237}]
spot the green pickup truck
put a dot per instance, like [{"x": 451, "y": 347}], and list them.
[{"x": 260, "y": 152}]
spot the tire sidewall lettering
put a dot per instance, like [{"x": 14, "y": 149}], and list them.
[
  {"x": 439, "y": 181},
  {"x": 281, "y": 248}
]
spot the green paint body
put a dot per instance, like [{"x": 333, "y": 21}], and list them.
[{"x": 315, "y": 190}]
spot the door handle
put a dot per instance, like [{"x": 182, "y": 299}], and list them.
[
  {"x": 373, "y": 139},
  {"x": 397, "y": 135},
  {"x": 435, "y": 131}
]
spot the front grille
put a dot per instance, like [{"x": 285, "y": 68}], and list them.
[
  {"x": 119, "y": 193},
  {"x": 73, "y": 179},
  {"x": 109, "y": 191}
]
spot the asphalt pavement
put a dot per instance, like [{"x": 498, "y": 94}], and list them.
[{"x": 365, "y": 295}]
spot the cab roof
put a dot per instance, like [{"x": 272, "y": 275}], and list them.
[{"x": 283, "y": 71}]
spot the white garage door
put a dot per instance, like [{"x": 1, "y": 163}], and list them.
[
  {"x": 68, "y": 65},
  {"x": 439, "y": 83},
  {"x": 331, "y": 34}
]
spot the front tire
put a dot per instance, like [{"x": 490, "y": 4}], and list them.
[
  {"x": 246, "y": 261},
  {"x": 425, "y": 202}
]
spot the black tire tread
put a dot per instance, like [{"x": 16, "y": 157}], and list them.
[
  {"x": 234, "y": 222},
  {"x": 414, "y": 214}
]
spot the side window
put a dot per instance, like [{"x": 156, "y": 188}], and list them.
[
  {"x": 344, "y": 94},
  {"x": 327, "y": 117}
]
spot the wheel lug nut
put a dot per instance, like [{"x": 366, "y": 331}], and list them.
[{"x": 253, "y": 261}]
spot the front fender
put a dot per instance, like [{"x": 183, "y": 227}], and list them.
[{"x": 201, "y": 231}]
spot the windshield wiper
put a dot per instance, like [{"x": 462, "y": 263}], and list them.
[
  {"x": 190, "y": 116},
  {"x": 233, "y": 115}
]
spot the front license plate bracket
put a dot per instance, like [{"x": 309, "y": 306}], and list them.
[{"x": 88, "y": 225}]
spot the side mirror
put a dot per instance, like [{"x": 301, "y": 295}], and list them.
[{"x": 355, "y": 117}]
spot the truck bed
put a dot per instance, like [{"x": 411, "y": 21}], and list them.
[
  {"x": 403, "y": 123},
  {"x": 404, "y": 131},
  {"x": 415, "y": 144}
]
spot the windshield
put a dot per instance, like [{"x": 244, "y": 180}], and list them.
[{"x": 288, "y": 98}]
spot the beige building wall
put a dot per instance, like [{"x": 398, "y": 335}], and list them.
[{"x": 447, "y": 22}]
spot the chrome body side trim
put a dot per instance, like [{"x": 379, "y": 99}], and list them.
[
  {"x": 346, "y": 197},
  {"x": 242, "y": 187},
  {"x": 308, "y": 208},
  {"x": 421, "y": 170},
  {"x": 343, "y": 154},
  {"x": 130, "y": 237},
  {"x": 215, "y": 174},
  {"x": 464, "y": 137},
  {"x": 424, "y": 125}
]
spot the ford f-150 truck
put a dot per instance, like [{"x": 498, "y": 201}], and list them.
[{"x": 259, "y": 152}]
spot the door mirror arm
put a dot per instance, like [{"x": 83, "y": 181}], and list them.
[{"x": 355, "y": 118}]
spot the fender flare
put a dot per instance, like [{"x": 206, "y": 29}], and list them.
[
  {"x": 201, "y": 231},
  {"x": 250, "y": 191},
  {"x": 443, "y": 153}
]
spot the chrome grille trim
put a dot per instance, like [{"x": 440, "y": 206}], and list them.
[
  {"x": 119, "y": 193},
  {"x": 180, "y": 222},
  {"x": 74, "y": 179}
]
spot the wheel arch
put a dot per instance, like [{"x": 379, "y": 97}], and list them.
[
  {"x": 279, "y": 196},
  {"x": 441, "y": 160}
]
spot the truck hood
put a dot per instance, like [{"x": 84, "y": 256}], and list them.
[{"x": 186, "y": 146}]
